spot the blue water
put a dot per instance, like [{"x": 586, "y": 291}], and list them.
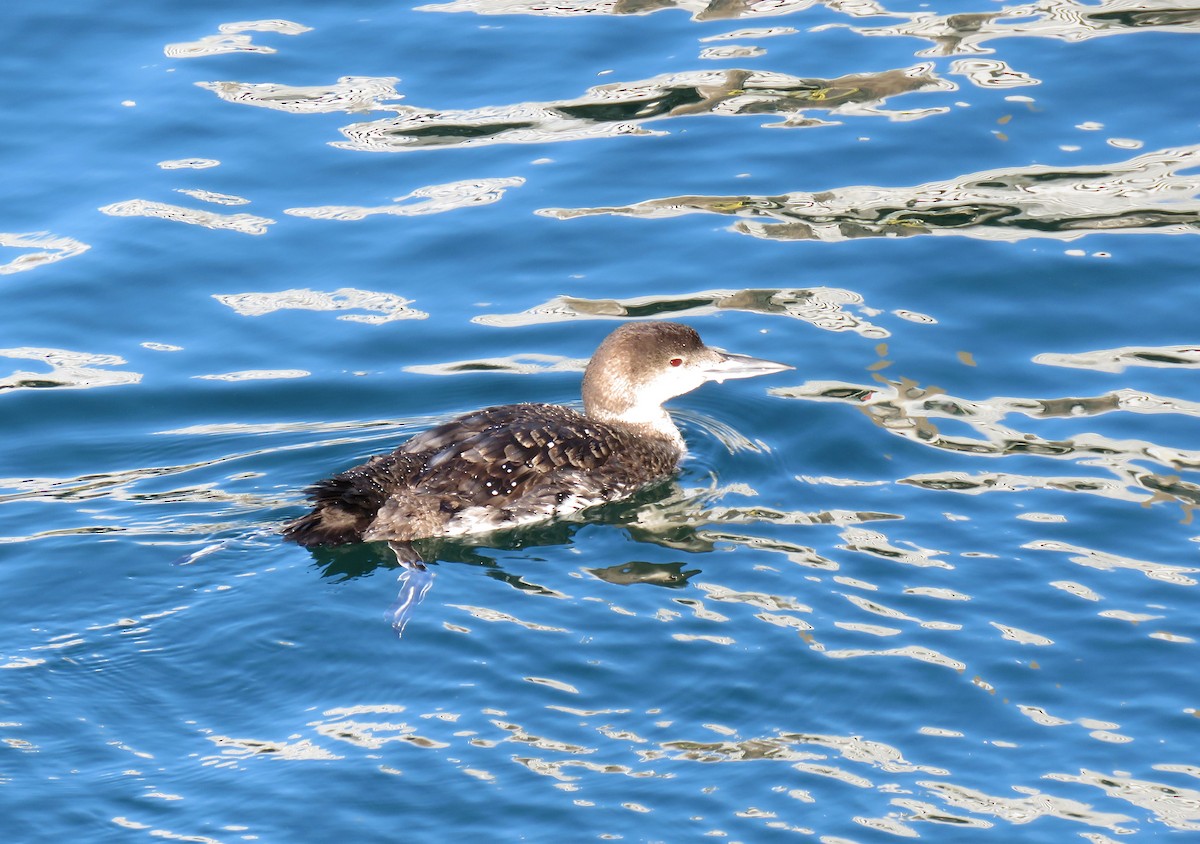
[{"x": 939, "y": 582}]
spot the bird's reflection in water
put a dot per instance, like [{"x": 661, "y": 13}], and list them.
[
  {"x": 692, "y": 521},
  {"x": 665, "y": 515}
]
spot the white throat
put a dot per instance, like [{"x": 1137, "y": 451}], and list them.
[{"x": 652, "y": 418}]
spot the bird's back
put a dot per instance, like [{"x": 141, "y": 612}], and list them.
[{"x": 495, "y": 468}]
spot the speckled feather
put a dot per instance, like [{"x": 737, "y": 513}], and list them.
[{"x": 494, "y": 468}]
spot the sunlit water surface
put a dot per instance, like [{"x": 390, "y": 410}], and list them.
[{"x": 939, "y": 582}]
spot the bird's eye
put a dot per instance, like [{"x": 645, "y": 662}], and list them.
[{"x": 676, "y": 361}]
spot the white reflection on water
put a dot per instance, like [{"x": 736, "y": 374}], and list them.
[
  {"x": 1116, "y": 360},
  {"x": 755, "y": 32},
  {"x": 1177, "y": 808},
  {"x": 731, "y": 51},
  {"x": 244, "y": 223},
  {"x": 231, "y": 750},
  {"x": 915, "y": 652},
  {"x": 255, "y": 375},
  {"x": 701, "y": 10},
  {"x": 230, "y": 39},
  {"x": 958, "y": 33},
  {"x": 876, "y": 544},
  {"x": 189, "y": 164},
  {"x": 494, "y": 616},
  {"x": 1067, "y": 20},
  {"x": 68, "y": 370},
  {"x": 1151, "y": 193},
  {"x": 1104, "y": 561},
  {"x": 1024, "y": 637},
  {"x": 434, "y": 199},
  {"x": 1022, "y": 810},
  {"x": 991, "y": 73},
  {"x": 348, "y": 94},
  {"x": 47, "y": 249},
  {"x": 620, "y": 108},
  {"x": 213, "y": 197},
  {"x": 828, "y": 308},
  {"x": 380, "y": 307}
]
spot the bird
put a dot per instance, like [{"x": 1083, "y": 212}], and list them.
[{"x": 517, "y": 464}]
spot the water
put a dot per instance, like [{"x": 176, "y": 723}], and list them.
[{"x": 939, "y": 582}]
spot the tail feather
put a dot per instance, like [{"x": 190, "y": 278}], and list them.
[
  {"x": 326, "y": 526},
  {"x": 345, "y": 505}
]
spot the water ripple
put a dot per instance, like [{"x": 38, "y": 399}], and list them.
[
  {"x": 700, "y": 10},
  {"x": 1065, "y": 20},
  {"x": 828, "y": 308},
  {"x": 1146, "y": 194},
  {"x": 1177, "y": 808},
  {"x": 530, "y": 363},
  {"x": 903, "y": 408},
  {"x": 1022, "y": 810},
  {"x": 621, "y": 108}
]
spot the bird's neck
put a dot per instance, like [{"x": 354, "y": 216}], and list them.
[{"x": 653, "y": 421}]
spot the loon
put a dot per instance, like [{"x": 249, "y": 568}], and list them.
[{"x": 516, "y": 464}]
